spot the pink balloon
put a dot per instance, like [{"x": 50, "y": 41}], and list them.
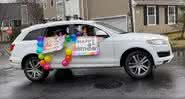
[
  {"x": 47, "y": 67},
  {"x": 65, "y": 63}
]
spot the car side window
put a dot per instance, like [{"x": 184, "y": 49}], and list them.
[
  {"x": 101, "y": 33},
  {"x": 88, "y": 30},
  {"x": 57, "y": 31},
  {"x": 33, "y": 35}
]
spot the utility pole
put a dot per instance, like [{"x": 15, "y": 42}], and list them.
[{"x": 131, "y": 15}]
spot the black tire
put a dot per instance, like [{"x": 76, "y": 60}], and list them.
[
  {"x": 138, "y": 64},
  {"x": 33, "y": 71}
]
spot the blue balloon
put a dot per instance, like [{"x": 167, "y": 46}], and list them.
[
  {"x": 73, "y": 36},
  {"x": 74, "y": 39},
  {"x": 39, "y": 50},
  {"x": 40, "y": 44}
]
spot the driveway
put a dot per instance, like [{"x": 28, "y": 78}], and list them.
[{"x": 167, "y": 82}]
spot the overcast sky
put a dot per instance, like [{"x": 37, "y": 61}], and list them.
[{"x": 7, "y": 1}]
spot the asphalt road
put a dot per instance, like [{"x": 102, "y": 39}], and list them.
[{"x": 167, "y": 82}]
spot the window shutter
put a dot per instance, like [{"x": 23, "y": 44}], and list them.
[
  {"x": 157, "y": 14},
  {"x": 166, "y": 15},
  {"x": 145, "y": 15},
  {"x": 176, "y": 12}
]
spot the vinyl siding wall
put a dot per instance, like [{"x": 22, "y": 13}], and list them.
[{"x": 162, "y": 27}]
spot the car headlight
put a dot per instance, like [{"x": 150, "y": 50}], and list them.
[{"x": 157, "y": 42}]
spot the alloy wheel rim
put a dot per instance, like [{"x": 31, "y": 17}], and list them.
[
  {"x": 33, "y": 69},
  {"x": 139, "y": 64}
]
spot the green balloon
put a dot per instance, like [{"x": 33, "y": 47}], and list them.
[
  {"x": 68, "y": 38},
  {"x": 41, "y": 56},
  {"x": 65, "y": 44}
]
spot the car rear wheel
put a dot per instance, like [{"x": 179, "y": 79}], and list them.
[
  {"x": 138, "y": 64},
  {"x": 33, "y": 70}
]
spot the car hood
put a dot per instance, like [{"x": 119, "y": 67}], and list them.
[{"x": 142, "y": 36}]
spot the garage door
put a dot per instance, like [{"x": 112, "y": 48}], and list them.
[{"x": 117, "y": 21}]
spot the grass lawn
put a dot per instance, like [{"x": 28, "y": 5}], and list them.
[{"x": 173, "y": 40}]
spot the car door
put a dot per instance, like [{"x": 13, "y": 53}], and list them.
[{"x": 105, "y": 46}]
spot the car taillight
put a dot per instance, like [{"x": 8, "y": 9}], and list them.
[{"x": 12, "y": 47}]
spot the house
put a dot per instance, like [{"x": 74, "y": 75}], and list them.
[
  {"x": 59, "y": 9},
  {"x": 16, "y": 15},
  {"x": 153, "y": 16},
  {"x": 114, "y": 12},
  {"x": 49, "y": 7},
  {"x": 157, "y": 16},
  {"x": 109, "y": 11}
]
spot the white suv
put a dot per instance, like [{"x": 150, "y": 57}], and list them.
[{"x": 138, "y": 53}]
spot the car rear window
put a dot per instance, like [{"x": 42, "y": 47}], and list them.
[{"x": 34, "y": 34}]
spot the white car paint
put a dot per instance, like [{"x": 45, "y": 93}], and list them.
[{"x": 111, "y": 49}]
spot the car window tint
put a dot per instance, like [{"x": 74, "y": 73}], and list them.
[
  {"x": 84, "y": 30},
  {"x": 57, "y": 30},
  {"x": 88, "y": 30},
  {"x": 33, "y": 35}
]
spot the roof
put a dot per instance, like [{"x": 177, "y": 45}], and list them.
[
  {"x": 57, "y": 23},
  {"x": 160, "y": 2}
]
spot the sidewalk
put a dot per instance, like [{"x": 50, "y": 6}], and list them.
[{"x": 4, "y": 63}]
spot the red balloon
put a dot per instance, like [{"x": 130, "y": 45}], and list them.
[
  {"x": 42, "y": 63},
  {"x": 65, "y": 63},
  {"x": 68, "y": 58},
  {"x": 47, "y": 67}
]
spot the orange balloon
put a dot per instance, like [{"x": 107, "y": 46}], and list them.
[
  {"x": 68, "y": 58},
  {"x": 42, "y": 62}
]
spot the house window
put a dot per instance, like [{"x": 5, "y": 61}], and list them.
[
  {"x": 16, "y": 23},
  {"x": 51, "y": 3},
  {"x": 171, "y": 15},
  {"x": 151, "y": 15},
  {"x": 45, "y": 5}
]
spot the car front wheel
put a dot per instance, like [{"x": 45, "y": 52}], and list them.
[
  {"x": 138, "y": 64},
  {"x": 33, "y": 70}
]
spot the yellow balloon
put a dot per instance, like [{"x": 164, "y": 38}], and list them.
[
  {"x": 68, "y": 52},
  {"x": 48, "y": 59}
]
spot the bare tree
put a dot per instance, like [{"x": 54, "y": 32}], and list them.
[{"x": 37, "y": 12}]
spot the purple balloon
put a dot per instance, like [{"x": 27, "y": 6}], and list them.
[
  {"x": 40, "y": 39},
  {"x": 78, "y": 34}
]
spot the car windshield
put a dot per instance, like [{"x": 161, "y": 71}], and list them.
[{"x": 117, "y": 30}]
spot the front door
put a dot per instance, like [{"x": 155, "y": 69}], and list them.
[{"x": 104, "y": 56}]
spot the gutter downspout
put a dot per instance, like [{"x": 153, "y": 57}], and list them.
[
  {"x": 87, "y": 10},
  {"x": 133, "y": 15},
  {"x": 82, "y": 9}
]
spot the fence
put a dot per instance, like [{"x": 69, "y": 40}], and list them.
[
  {"x": 4, "y": 49},
  {"x": 4, "y": 37}
]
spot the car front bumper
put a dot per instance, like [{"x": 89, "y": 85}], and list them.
[
  {"x": 158, "y": 60},
  {"x": 164, "y": 60}
]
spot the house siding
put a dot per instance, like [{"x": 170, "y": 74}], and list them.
[
  {"x": 103, "y": 8},
  {"x": 158, "y": 28},
  {"x": 50, "y": 11}
]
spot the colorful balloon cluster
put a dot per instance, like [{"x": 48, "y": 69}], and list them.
[
  {"x": 68, "y": 57},
  {"x": 45, "y": 60}
]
